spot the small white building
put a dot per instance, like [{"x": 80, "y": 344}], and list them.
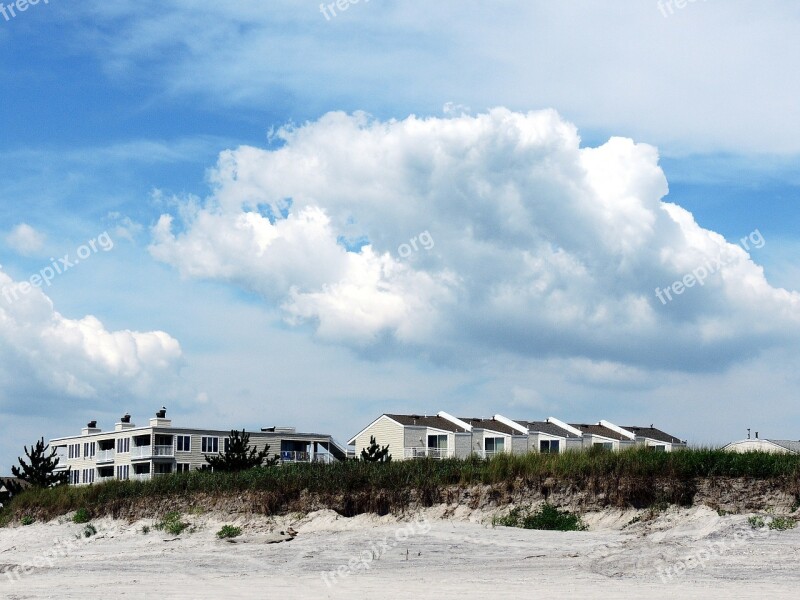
[{"x": 764, "y": 445}]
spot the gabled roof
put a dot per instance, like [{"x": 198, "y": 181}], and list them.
[
  {"x": 548, "y": 428},
  {"x": 653, "y": 434},
  {"x": 601, "y": 431},
  {"x": 434, "y": 422},
  {"x": 492, "y": 425}
]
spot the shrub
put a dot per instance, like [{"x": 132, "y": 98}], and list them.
[
  {"x": 81, "y": 516},
  {"x": 145, "y": 529},
  {"x": 782, "y": 523},
  {"x": 229, "y": 531},
  {"x": 756, "y": 522},
  {"x": 89, "y": 530},
  {"x": 172, "y": 523},
  {"x": 548, "y": 517},
  {"x": 27, "y": 520}
]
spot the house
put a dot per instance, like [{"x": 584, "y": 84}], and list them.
[
  {"x": 131, "y": 452},
  {"x": 764, "y": 445},
  {"x": 655, "y": 438},
  {"x": 443, "y": 436}
]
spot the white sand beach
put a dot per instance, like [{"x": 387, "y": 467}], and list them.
[{"x": 425, "y": 556}]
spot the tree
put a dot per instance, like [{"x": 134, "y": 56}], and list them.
[
  {"x": 239, "y": 456},
  {"x": 41, "y": 471},
  {"x": 374, "y": 453}
]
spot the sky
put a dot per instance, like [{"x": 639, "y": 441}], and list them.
[{"x": 289, "y": 213}]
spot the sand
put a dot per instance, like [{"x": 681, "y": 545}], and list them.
[{"x": 682, "y": 553}]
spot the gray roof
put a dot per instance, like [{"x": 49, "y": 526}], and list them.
[
  {"x": 548, "y": 428},
  {"x": 601, "y": 431},
  {"x": 790, "y": 445},
  {"x": 427, "y": 421},
  {"x": 492, "y": 425},
  {"x": 654, "y": 434}
]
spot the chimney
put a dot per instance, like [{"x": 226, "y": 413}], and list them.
[
  {"x": 91, "y": 427},
  {"x": 756, "y": 435},
  {"x": 161, "y": 419},
  {"x": 124, "y": 423}
]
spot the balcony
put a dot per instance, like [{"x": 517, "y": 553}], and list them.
[
  {"x": 422, "y": 452},
  {"x": 105, "y": 456},
  {"x": 295, "y": 456},
  {"x": 322, "y": 457},
  {"x": 140, "y": 476},
  {"x": 139, "y": 452},
  {"x": 105, "y": 478}
]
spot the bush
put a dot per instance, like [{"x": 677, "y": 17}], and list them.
[
  {"x": 27, "y": 520},
  {"x": 81, "y": 516},
  {"x": 548, "y": 517},
  {"x": 172, "y": 523},
  {"x": 229, "y": 531},
  {"x": 782, "y": 523},
  {"x": 756, "y": 522},
  {"x": 145, "y": 529},
  {"x": 89, "y": 531}
]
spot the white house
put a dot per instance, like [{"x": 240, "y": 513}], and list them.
[{"x": 764, "y": 445}]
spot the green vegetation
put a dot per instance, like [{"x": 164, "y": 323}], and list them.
[
  {"x": 81, "y": 516},
  {"x": 782, "y": 523},
  {"x": 89, "y": 531},
  {"x": 229, "y": 531},
  {"x": 171, "y": 523},
  {"x": 547, "y": 517},
  {"x": 374, "y": 453},
  {"x": 145, "y": 529},
  {"x": 239, "y": 455},
  {"x": 756, "y": 522},
  {"x": 634, "y": 477},
  {"x": 39, "y": 469},
  {"x": 27, "y": 520}
]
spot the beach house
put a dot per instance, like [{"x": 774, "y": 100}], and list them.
[{"x": 159, "y": 448}]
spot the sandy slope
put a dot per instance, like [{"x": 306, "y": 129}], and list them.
[{"x": 427, "y": 557}]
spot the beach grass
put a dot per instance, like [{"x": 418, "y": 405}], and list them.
[{"x": 629, "y": 477}]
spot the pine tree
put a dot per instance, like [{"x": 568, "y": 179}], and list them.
[
  {"x": 239, "y": 456},
  {"x": 41, "y": 471},
  {"x": 374, "y": 453}
]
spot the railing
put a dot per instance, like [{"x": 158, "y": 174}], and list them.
[
  {"x": 163, "y": 451},
  {"x": 105, "y": 456},
  {"x": 140, "y": 476},
  {"x": 101, "y": 478},
  {"x": 322, "y": 457},
  {"x": 141, "y": 451},
  {"x": 295, "y": 456},
  {"x": 422, "y": 452}
]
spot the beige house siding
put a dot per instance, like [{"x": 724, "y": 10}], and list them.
[{"x": 386, "y": 432}]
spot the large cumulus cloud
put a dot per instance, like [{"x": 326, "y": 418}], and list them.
[
  {"x": 44, "y": 355},
  {"x": 542, "y": 247}
]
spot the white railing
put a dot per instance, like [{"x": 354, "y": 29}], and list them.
[
  {"x": 163, "y": 451},
  {"x": 322, "y": 457},
  {"x": 104, "y": 478},
  {"x": 140, "y": 476},
  {"x": 141, "y": 451},
  {"x": 105, "y": 456},
  {"x": 422, "y": 452}
]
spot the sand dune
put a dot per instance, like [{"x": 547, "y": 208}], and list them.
[{"x": 686, "y": 553}]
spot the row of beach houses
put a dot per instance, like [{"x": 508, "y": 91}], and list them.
[{"x": 158, "y": 448}]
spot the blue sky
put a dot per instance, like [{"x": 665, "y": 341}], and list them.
[{"x": 173, "y": 125}]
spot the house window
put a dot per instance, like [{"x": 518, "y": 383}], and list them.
[
  {"x": 210, "y": 444},
  {"x": 227, "y": 445},
  {"x": 548, "y": 446},
  {"x": 437, "y": 441},
  {"x": 88, "y": 476},
  {"x": 74, "y": 450},
  {"x": 182, "y": 468},
  {"x": 123, "y": 445},
  {"x": 658, "y": 448},
  {"x": 75, "y": 476},
  {"x": 494, "y": 445},
  {"x": 123, "y": 472},
  {"x": 183, "y": 443},
  {"x": 603, "y": 445}
]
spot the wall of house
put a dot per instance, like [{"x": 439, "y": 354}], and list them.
[
  {"x": 463, "y": 445},
  {"x": 386, "y": 432},
  {"x": 519, "y": 444}
]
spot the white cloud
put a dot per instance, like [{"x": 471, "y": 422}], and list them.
[
  {"x": 25, "y": 240},
  {"x": 542, "y": 248},
  {"x": 45, "y": 355}
]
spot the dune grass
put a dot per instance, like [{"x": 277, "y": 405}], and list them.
[{"x": 351, "y": 487}]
